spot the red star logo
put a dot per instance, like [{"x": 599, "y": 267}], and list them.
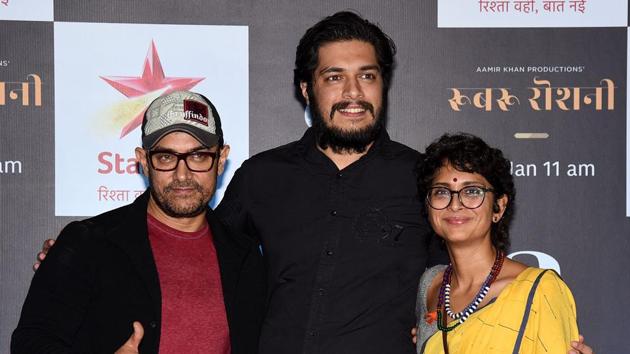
[{"x": 152, "y": 79}]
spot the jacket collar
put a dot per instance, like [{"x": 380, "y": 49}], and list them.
[{"x": 131, "y": 236}]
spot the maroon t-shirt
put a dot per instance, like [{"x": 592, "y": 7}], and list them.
[{"x": 193, "y": 311}]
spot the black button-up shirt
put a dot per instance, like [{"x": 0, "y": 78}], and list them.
[{"x": 344, "y": 249}]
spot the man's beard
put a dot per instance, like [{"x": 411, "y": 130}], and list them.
[
  {"x": 197, "y": 205},
  {"x": 344, "y": 141}
]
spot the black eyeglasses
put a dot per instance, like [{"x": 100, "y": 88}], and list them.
[
  {"x": 196, "y": 161},
  {"x": 471, "y": 197}
]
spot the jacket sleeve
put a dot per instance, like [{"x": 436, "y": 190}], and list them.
[
  {"x": 250, "y": 296},
  {"x": 58, "y": 296}
]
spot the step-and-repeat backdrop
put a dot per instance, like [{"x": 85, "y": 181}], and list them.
[{"x": 545, "y": 80}]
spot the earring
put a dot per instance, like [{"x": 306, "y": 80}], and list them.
[{"x": 495, "y": 219}]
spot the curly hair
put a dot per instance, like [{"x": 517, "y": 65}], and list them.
[
  {"x": 469, "y": 153},
  {"x": 342, "y": 26}
]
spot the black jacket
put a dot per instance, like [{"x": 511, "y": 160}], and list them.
[{"x": 101, "y": 276}]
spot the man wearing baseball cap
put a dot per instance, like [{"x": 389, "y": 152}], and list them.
[{"x": 160, "y": 274}]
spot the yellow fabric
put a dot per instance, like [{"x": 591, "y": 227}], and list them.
[{"x": 551, "y": 326}]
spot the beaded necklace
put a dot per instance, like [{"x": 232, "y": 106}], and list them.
[{"x": 444, "y": 301}]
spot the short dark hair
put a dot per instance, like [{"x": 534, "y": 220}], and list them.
[
  {"x": 342, "y": 26},
  {"x": 469, "y": 153}
]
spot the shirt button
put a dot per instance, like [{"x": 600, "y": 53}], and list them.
[
  {"x": 312, "y": 333},
  {"x": 333, "y": 213},
  {"x": 339, "y": 175},
  {"x": 153, "y": 324},
  {"x": 322, "y": 292},
  {"x": 329, "y": 253}
]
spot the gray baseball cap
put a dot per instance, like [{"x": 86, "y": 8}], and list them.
[{"x": 182, "y": 111}]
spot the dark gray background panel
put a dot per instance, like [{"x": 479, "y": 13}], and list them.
[{"x": 580, "y": 221}]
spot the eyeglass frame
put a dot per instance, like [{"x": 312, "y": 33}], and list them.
[
  {"x": 459, "y": 197},
  {"x": 182, "y": 156}
]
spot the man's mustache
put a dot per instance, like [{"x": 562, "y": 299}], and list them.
[
  {"x": 178, "y": 184},
  {"x": 343, "y": 105}
]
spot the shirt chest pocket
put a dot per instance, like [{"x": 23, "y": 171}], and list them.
[
  {"x": 394, "y": 225},
  {"x": 373, "y": 225}
]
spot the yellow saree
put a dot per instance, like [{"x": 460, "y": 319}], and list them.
[{"x": 494, "y": 329}]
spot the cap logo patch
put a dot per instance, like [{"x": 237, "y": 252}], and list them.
[{"x": 195, "y": 111}]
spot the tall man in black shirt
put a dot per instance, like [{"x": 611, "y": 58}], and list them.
[{"x": 337, "y": 212}]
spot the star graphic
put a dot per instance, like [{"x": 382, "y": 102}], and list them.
[{"x": 152, "y": 79}]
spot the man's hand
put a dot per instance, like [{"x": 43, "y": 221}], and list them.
[
  {"x": 41, "y": 255},
  {"x": 131, "y": 345},
  {"x": 580, "y": 348}
]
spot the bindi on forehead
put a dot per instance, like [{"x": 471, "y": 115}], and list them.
[{"x": 454, "y": 179}]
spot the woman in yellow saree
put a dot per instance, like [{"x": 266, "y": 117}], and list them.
[{"x": 483, "y": 302}]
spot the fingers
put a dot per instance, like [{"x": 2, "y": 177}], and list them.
[
  {"x": 136, "y": 337},
  {"x": 38, "y": 260},
  {"x": 47, "y": 244},
  {"x": 414, "y": 335},
  {"x": 132, "y": 344},
  {"x": 579, "y": 347},
  {"x": 42, "y": 254}
]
